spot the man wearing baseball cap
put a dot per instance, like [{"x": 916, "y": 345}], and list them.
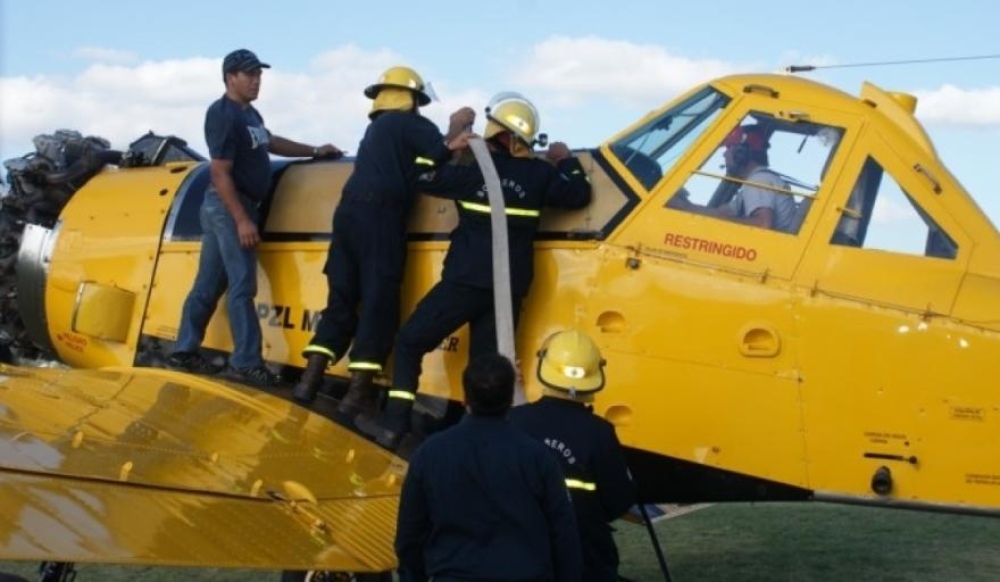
[
  {"x": 241, "y": 60},
  {"x": 239, "y": 146}
]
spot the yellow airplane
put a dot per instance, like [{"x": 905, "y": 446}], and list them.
[{"x": 832, "y": 344}]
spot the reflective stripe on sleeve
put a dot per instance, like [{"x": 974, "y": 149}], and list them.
[
  {"x": 578, "y": 484},
  {"x": 485, "y": 209}
]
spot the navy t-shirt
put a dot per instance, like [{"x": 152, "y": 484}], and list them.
[{"x": 238, "y": 134}]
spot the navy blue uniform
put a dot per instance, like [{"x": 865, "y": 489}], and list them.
[
  {"x": 529, "y": 184},
  {"x": 596, "y": 474},
  {"x": 484, "y": 501},
  {"x": 465, "y": 292},
  {"x": 368, "y": 248}
]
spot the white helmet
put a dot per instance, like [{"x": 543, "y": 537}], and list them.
[{"x": 516, "y": 114}]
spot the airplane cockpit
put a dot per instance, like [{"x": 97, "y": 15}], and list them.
[
  {"x": 798, "y": 153},
  {"x": 797, "y": 156},
  {"x": 650, "y": 150},
  {"x": 878, "y": 214}
]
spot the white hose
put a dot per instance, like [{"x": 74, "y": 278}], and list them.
[{"x": 502, "y": 299}]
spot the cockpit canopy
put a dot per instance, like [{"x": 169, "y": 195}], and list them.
[{"x": 799, "y": 153}]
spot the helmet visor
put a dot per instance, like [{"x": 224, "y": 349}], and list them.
[{"x": 430, "y": 92}]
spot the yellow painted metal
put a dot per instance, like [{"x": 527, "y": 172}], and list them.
[
  {"x": 157, "y": 467},
  {"x": 811, "y": 365},
  {"x": 899, "y": 108},
  {"x": 103, "y": 312},
  {"x": 291, "y": 284},
  {"x": 109, "y": 237}
]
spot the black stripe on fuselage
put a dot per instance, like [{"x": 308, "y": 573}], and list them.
[{"x": 184, "y": 224}]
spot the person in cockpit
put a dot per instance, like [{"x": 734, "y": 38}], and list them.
[{"x": 760, "y": 200}]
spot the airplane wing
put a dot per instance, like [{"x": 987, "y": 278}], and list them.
[{"x": 158, "y": 467}]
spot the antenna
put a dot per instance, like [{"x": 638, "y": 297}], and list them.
[{"x": 808, "y": 68}]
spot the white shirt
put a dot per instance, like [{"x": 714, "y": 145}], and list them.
[{"x": 749, "y": 198}]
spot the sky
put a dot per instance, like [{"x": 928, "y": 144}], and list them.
[{"x": 120, "y": 69}]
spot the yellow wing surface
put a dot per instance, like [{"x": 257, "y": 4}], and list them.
[{"x": 157, "y": 467}]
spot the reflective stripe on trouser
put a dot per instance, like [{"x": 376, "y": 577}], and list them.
[
  {"x": 445, "y": 308},
  {"x": 364, "y": 366},
  {"x": 580, "y": 484},
  {"x": 397, "y": 410},
  {"x": 364, "y": 271},
  {"x": 317, "y": 349}
]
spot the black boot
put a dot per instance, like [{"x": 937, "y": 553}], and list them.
[
  {"x": 312, "y": 378},
  {"x": 361, "y": 397},
  {"x": 389, "y": 429}
]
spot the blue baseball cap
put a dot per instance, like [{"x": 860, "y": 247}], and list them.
[{"x": 242, "y": 60}]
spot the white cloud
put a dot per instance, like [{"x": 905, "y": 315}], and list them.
[
  {"x": 953, "y": 106},
  {"x": 890, "y": 208},
  {"x": 576, "y": 69},
  {"x": 122, "y": 102},
  {"x": 104, "y": 55},
  {"x": 609, "y": 83}
]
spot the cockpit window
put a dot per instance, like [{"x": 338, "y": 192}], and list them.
[
  {"x": 881, "y": 215},
  {"x": 649, "y": 151},
  {"x": 766, "y": 172}
]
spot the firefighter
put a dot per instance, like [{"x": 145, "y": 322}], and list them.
[
  {"x": 571, "y": 371},
  {"x": 465, "y": 292},
  {"x": 367, "y": 255},
  {"x": 484, "y": 501}
]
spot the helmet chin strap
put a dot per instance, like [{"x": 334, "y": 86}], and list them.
[{"x": 513, "y": 145}]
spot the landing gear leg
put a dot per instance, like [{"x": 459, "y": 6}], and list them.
[{"x": 656, "y": 542}]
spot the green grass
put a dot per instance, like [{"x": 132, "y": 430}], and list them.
[
  {"x": 780, "y": 541},
  {"x": 747, "y": 542}
]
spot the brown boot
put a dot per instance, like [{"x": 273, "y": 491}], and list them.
[
  {"x": 361, "y": 397},
  {"x": 388, "y": 429},
  {"x": 312, "y": 378}
]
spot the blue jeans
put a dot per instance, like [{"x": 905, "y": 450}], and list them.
[{"x": 223, "y": 264}]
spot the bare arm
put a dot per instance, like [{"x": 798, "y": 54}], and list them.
[
  {"x": 285, "y": 147},
  {"x": 460, "y": 122},
  {"x": 222, "y": 180}
]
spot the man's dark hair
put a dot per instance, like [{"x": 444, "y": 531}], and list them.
[{"x": 489, "y": 385}]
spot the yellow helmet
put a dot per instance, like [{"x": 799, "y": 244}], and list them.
[
  {"x": 570, "y": 362},
  {"x": 404, "y": 78},
  {"x": 516, "y": 114}
]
